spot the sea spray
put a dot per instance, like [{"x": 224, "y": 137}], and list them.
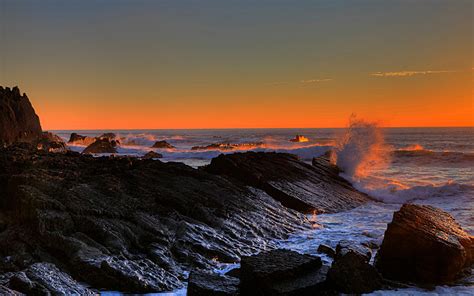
[{"x": 361, "y": 149}]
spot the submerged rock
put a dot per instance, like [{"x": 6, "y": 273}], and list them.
[
  {"x": 306, "y": 188},
  {"x": 202, "y": 283},
  {"x": 351, "y": 272},
  {"x": 101, "y": 146},
  {"x": 424, "y": 244},
  {"x": 282, "y": 272},
  {"x": 162, "y": 145},
  {"x": 151, "y": 155},
  {"x": 50, "y": 142},
  {"x": 18, "y": 120}
]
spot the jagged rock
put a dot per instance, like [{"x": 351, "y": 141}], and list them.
[
  {"x": 424, "y": 244},
  {"x": 101, "y": 146},
  {"x": 18, "y": 120},
  {"x": 297, "y": 185},
  {"x": 282, "y": 272},
  {"x": 326, "y": 250},
  {"x": 351, "y": 272},
  {"x": 111, "y": 137},
  {"x": 81, "y": 140},
  {"x": 162, "y": 145},
  {"x": 126, "y": 224},
  {"x": 151, "y": 155},
  {"x": 50, "y": 142},
  {"x": 202, "y": 283},
  {"x": 46, "y": 279}
]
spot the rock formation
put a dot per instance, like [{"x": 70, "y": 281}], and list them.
[
  {"x": 306, "y": 188},
  {"x": 162, "y": 145},
  {"x": 101, "y": 146},
  {"x": 18, "y": 120},
  {"x": 50, "y": 142},
  {"x": 77, "y": 139},
  {"x": 228, "y": 146},
  {"x": 425, "y": 245},
  {"x": 151, "y": 155}
]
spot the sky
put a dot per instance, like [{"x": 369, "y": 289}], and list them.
[{"x": 143, "y": 64}]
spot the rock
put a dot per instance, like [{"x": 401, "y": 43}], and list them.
[
  {"x": 81, "y": 140},
  {"x": 111, "y": 137},
  {"x": 282, "y": 272},
  {"x": 101, "y": 146},
  {"x": 228, "y": 146},
  {"x": 351, "y": 272},
  {"x": 162, "y": 145},
  {"x": 9, "y": 292},
  {"x": 234, "y": 273},
  {"x": 18, "y": 120},
  {"x": 299, "y": 139},
  {"x": 50, "y": 142},
  {"x": 45, "y": 279},
  {"x": 206, "y": 284},
  {"x": 326, "y": 250},
  {"x": 424, "y": 244},
  {"x": 128, "y": 225},
  {"x": 297, "y": 185},
  {"x": 151, "y": 155}
]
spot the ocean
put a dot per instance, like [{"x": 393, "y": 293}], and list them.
[{"x": 432, "y": 166}]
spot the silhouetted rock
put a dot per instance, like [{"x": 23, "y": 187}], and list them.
[
  {"x": 81, "y": 140},
  {"x": 424, "y": 244},
  {"x": 50, "y": 142},
  {"x": 351, "y": 272},
  {"x": 282, "y": 272},
  {"x": 18, "y": 120},
  {"x": 101, "y": 146},
  {"x": 162, "y": 145},
  {"x": 326, "y": 250},
  {"x": 202, "y": 283},
  {"x": 297, "y": 185},
  {"x": 151, "y": 155},
  {"x": 9, "y": 292}
]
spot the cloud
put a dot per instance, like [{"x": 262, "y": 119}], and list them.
[
  {"x": 316, "y": 80},
  {"x": 408, "y": 73}
]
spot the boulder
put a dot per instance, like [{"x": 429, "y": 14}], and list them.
[
  {"x": 162, "y": 145},
  {"x": 282, "y": 272},
  {"x": 424, "y": 244},
  {"x": 81, "y": 140},
  {"x": 101, "y": 146},
  {"x": 151, "y": 155},
  {"x": 324, "y": 249},
  {"x": 50, "y": 142},
  {"x": 306, "y": 188},
  {"x": 351, "y": 272},
  {"x": 18, "y": 120},
  {"x": 110, "y": 137},
  {"x": 202, "y": 283}
]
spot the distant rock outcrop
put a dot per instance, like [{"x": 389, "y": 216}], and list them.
[
  {"x": 162, "y": 145},
  {"x": 51, "y": 143},
  {"x": 101, "y": 146},
  {"x": 77, "y": 139},
  {"x": 151, "y": 155},
  {"x": 228, "y": 146},
  {"x": 424, "y": 244},
  {"x": 18, "y": 120}
]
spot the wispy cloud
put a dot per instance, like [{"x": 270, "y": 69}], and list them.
[
  {"x": 409, "y": 73},
  {"x": 316, "y": 80}
]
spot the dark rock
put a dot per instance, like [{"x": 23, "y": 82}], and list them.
[
  {"x": 424, "y": 244},
  {"x": 126, "y": 224},
  {"x": 111, "y": 137},
  {"x": 207, "y": 284},
  {"x": 9, "y": 292},
  {"x": 151, "y": 155},
  {"x": 101, "y": 146},
  {"x": 351, "y": 272},
  {"x": 50, "y": 142},
  {"x": 18, "y": 120},
  {"x": 234, "y": 273},
  {"x": 228, "y": 146},
  {"x": 46, "y": 279},
  {"x": 282, "y": 272},
  {"x": 297, "y": 185},
  {"x": 162, "y": 145},
  {"x": 81, "y": 140},
  {"x": 326, "y": 250}
]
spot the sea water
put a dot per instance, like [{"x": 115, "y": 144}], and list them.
[{"x": 432, "y": 166}]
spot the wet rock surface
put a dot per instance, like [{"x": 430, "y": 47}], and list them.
[
  {"x": 424, "y": 244},
  {"x": 162, "y": 145},
  {"x": 18, "y": 120},
  {"x": 127, "y": 224},
  {"x": 297, "y": 185},
  {"x": 201, "y": 283}
]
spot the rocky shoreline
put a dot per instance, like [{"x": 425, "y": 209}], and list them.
[{"x": 72, "y": 223}]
